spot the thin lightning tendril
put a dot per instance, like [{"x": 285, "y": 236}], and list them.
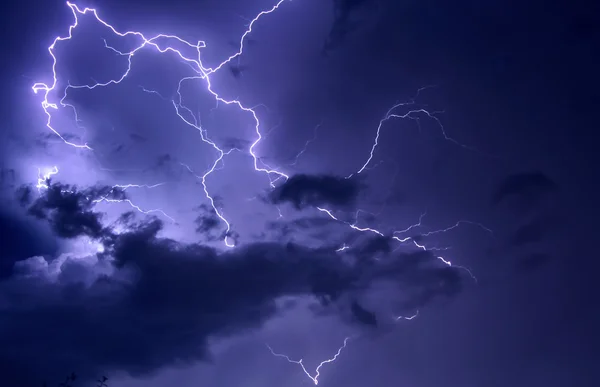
[
  {"x": 314, "y": 378},
  {"x": 408, "y": 317},
  {"x": 44, "y": 183},
  {"x": 306, "y": 144}
]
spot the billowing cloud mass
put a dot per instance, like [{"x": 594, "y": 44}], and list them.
[
  {"x": 145, "y": 301},
  {"x": 317, "y": 190}
]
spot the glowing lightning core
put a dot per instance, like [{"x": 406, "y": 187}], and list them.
[
  {"x": 315, "y": 378},
  {"x": 43, "y": 179}
]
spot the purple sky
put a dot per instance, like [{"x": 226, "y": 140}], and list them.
[{"x": 485, "y": 159}]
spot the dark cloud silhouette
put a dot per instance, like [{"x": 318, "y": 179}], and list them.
[
  {"x": 207, "y": 222},
  {"x": 319, "y": 228},
  {"x": 532, "y": 231},
  {"x": 362, "y": 315},
  {"x": 343, "y": 22},
  {"x": 237, "y": 71},
  {"x": 317, "y": 190},
  {"x": 159, "y": 308},
  {"x": 376, "y": 245},
  {"x": 527, "y": 188},
  {"x": 235, "y": 143},
  {"x": 312, "y": 222},
  {"x": 19, "y": 239},
  {"x": 421, "y": 276},
  {"x": 70, "y": 210},
  {"x": 146, "y": 302}
]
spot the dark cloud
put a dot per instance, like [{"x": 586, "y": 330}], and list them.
[
  {"x": 526, "y": 189},
  {"x": 235, "y": 143},
  {"x": 317, "y": 190},
  {"x": 147, "y": 302},
  {"x": 237, "y": 71},
  {"x": 313, "y": 222},
  {"x": 362, "y": 315},
  {"x": 163, "y": 163},
  {"x": 421, "y": 276},
  {"x": 24, "y": 195},
  {"x": 165, "y": 300},
  {"x": 376, "y": 245},
  {"x": 207, "y": 222},
  {"x": 300, "y": 224},
  {"x": 532, "y": 231},
  {"x": 70, "y": 211},
  {"x": 345, "y": 21},
  {"x": 318, "y": 228},
  {"x": 19, "y": 238}
]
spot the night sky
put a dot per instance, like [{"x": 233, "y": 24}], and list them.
[{"x": 402, "y": 190}]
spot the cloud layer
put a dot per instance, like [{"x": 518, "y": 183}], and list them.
[{"x": 145, "y": 301}]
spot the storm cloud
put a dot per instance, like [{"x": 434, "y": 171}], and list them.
[
  {"x": 317, "y": 190},
  {"x": 145, "y": 301}
]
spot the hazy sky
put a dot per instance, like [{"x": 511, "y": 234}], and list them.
[{"x": 352, "y": 165}]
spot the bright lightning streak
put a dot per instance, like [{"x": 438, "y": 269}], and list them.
[
  {"x": 409, "y": 317},
  {"x": 314, "y": 378},
  {"x": 43, "y": 180},
  {"x": 342, "y": 248},
  {"x": 375, "y": 231},
  {"x": 125, "y": 186}
]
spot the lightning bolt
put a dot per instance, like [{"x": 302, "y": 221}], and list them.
[
  {"x": 343, "y": 247},
  {"x": 408, "y": 317},
  {"x": 43, "y": 179},
  {"x": 314, "y": 378}
]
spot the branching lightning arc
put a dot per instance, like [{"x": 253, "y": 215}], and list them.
[{"x": 50, "y": 104}]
